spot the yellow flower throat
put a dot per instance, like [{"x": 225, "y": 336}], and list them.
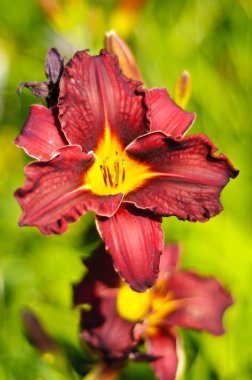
[
  {"x": 114, "y": 171},
  {"x": 153, "y": 306}
]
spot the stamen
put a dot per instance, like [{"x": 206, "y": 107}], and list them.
[
  {"x": 109, "y": 177},
  {"x": 117, "y": 170},
  {"x": 123, "y": 170},
  {"x": 103, "y": 170}
]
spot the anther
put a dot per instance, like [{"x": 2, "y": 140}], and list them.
[
  {"x": 123, "y": 170},
  {"x": 113, "y": 175},
  {"x": 109, "y": 177},
  {"x": 117, "y": 170},
  {"x": 104, "y": 174}
]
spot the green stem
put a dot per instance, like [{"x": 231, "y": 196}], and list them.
[{"x": 102, "y": 372}]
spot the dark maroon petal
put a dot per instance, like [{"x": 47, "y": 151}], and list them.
[
  {"x": 87, "y": 293},
  {"x": 39, "y": 89},
  {"x": 203, "y": 302},
  {"x": 41, "y": 134},
  {"x": 100, "y": 269},
  {"x": 134, "y": 238},
  {"x": 189, "y": 176},
  {"x": 49, "y": 89},
  {"x": 113, "y": 337},
  {"x": 163, "y": 346},
  {"x": 94, "y": 94},
  {"x": 169, "y": 260},
  {"x": 54, "y": 192},
  {"x": 165, "y": 115},
  {"x": 54, "y": 65},
  {"x": 101, "y": 275}
]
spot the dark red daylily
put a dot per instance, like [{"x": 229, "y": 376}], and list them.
[
  {"x": 180, "y": 298},
  {"x": 119, "y": 318},
  {"x": 114, "y": 148}
]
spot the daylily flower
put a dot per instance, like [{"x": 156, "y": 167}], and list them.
[
  {"x": 119, "y": 318},
  {"x": 114, "y": 148}
]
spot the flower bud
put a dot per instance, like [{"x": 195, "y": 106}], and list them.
[
  {"x": 116, "y": 45},
  {"x": 182, "y": 89}
]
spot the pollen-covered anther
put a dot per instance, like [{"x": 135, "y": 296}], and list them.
[{"x": 113, "y": 176}]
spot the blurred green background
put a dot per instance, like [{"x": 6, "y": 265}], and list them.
[{"x": 212, "y": 39}]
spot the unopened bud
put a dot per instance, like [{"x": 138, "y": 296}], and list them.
[
  {"x": 183, "y": 89},
  {"x": 38, "y": 336},
  {"x": 116, "y": 45}
]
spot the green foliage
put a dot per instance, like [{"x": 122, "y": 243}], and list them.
[{"x": 211, "y": 39}]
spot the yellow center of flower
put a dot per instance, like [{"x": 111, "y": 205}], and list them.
[
  {"x": 131, "y": 305},
  {"x": 154, "y": 305},
  {"x": 114, "y": 171}
]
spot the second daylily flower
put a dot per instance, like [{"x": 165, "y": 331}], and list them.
[
  {"x": 118, "y": 319},
  {"x": 114, "y": 148}
]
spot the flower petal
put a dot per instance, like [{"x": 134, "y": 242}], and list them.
[
  {"x": 162, "y": 344},
  {"x": 165, "y": 115},
  {"x": 54, "y": 65},
  {"x": 113, "y": 336},
  {"x": 134, "y": 238},
  {"x": 39, "y": 89},
  {"x": 94, "y": 95},
  {"x": 100, "y": 276},
  {"x": 54, "y": 192},
  {"x": 189, "y": 177},
  {"x": 41, "y": 134},
  {"x": 169, "y": 260},
  {"x": 203, "y": 302},
  {"x": 49, "y": 90}
]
